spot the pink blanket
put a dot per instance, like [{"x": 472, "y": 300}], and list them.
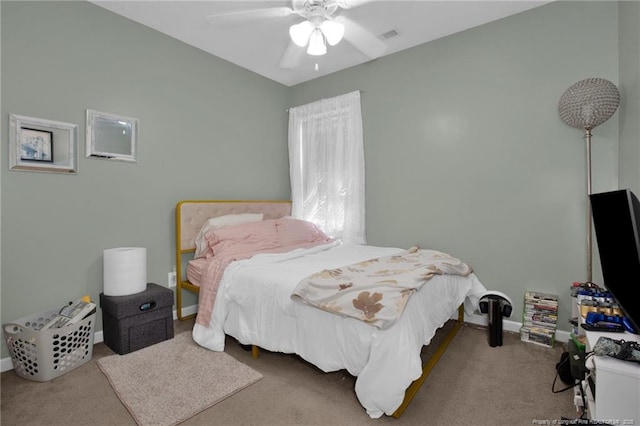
[{"x": 244, "y": 241}]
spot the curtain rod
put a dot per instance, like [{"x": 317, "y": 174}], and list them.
[{"x": 360, "y": 90}]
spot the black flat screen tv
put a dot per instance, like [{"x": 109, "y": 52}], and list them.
[{"x": 616, "y": 216}]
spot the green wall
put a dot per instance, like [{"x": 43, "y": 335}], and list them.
[
  {"x": 207, "y": 129},
  {"x": 466, "y": 153},
  {"x": 630, "y": 95},
  {"x": 464, "y": 147}
]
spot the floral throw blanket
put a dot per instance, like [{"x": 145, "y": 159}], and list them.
[{"x": 377, "y": 290}]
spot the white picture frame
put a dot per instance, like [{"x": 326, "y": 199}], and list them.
[
  {"x": 111, "y": 137},
  {"x": 40, "y": 145}
]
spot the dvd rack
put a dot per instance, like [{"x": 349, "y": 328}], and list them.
[{"x": 540, "y": 318}]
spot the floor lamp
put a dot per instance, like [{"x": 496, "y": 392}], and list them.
[{"x": 585, "y": 105}]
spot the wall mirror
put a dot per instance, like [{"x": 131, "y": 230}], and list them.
[
  {"x": 38, "y": 145},
  {"x": 111, "y": 136}
]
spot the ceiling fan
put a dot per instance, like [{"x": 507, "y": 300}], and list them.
[{"x": 322, "y": 24}]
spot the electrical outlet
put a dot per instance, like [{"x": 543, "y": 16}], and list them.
[{"x": 171, "y": 279}]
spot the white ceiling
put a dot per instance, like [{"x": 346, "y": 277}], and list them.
[{"x": 257, "y": 41}]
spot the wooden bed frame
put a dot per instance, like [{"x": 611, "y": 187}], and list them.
[{"x": 192, "y": 214}]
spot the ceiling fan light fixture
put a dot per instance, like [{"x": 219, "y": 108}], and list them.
[
  {"x": 317, "y": 46},
  {"x": 301, "y": 32},
  {"x": 333, "y": 31}
]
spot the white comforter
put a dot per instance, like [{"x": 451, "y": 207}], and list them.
[{"x": 254, "y": 306}]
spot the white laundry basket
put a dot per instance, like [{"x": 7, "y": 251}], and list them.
[{"x": 42, "y": 355}]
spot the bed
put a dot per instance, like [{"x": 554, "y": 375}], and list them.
[{"x": 254, "y": 305}]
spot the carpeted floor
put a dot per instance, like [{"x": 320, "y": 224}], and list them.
[{"x": 472, "y": 384}]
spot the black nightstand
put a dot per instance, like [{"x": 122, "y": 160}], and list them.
[{"x": 138, "y": 320}]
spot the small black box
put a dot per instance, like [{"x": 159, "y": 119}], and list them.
[{"x": 138, "y": 320}]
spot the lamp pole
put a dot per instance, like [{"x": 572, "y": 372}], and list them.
[
  {"x": 585, "y": 105},
  {"x": 587, "y": 137}
]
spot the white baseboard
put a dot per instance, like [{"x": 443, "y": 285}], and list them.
[
  {"x": 509, "y": 325},
  {"x": 6, "y": 364},
  {"x": 482, "y": 320},
  {"x": 186, "y": 310}
]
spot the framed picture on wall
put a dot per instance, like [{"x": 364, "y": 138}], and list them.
[
  {"x": 111, "y": 137},
  {"x": 39, "y": 145},
  {"x": 35, "y": 145}
]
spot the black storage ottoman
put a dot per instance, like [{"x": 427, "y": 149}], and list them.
[{"x": 138, "y": 320}]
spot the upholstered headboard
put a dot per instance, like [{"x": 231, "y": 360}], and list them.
[{"x": 192, "y": 214}]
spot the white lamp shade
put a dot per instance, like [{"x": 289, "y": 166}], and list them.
[
  {"x": 317, "y": 46},
  {"x": 300, "y": 33},
  {"x": 333, "y": 31}
]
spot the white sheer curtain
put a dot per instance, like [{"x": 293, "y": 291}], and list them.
[{"x": 326, "y": 166}]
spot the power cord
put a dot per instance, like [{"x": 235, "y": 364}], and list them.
[
  {"x": 558, "y": 367},
  {"x": 584, "y": 409}
]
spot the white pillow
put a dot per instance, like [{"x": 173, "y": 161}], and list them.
[{"x": 219, "y": 222}]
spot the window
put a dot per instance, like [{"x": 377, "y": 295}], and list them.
[{"x": 326, "y": 157}]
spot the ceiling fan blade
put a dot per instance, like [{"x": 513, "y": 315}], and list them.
[
  {"x": 249, "y": 15},
  {"x": 361, "y": 38},
  {"x": 292, "y": 56},
  {"x": 350, "y": 4}
]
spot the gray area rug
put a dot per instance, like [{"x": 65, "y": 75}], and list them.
[{"x": 169, "y": 382}]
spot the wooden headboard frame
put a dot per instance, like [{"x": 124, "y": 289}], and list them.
[{"x": 192, "y": 214}]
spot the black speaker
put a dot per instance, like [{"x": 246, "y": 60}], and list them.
[{"x": 497, "y": 305}]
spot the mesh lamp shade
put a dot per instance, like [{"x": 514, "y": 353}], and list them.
[
  {"x": 589, "y": 103},
  {"x": 585, "y": 105}
]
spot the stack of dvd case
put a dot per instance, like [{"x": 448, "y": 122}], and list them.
[{"x": 540, "y": 318}]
